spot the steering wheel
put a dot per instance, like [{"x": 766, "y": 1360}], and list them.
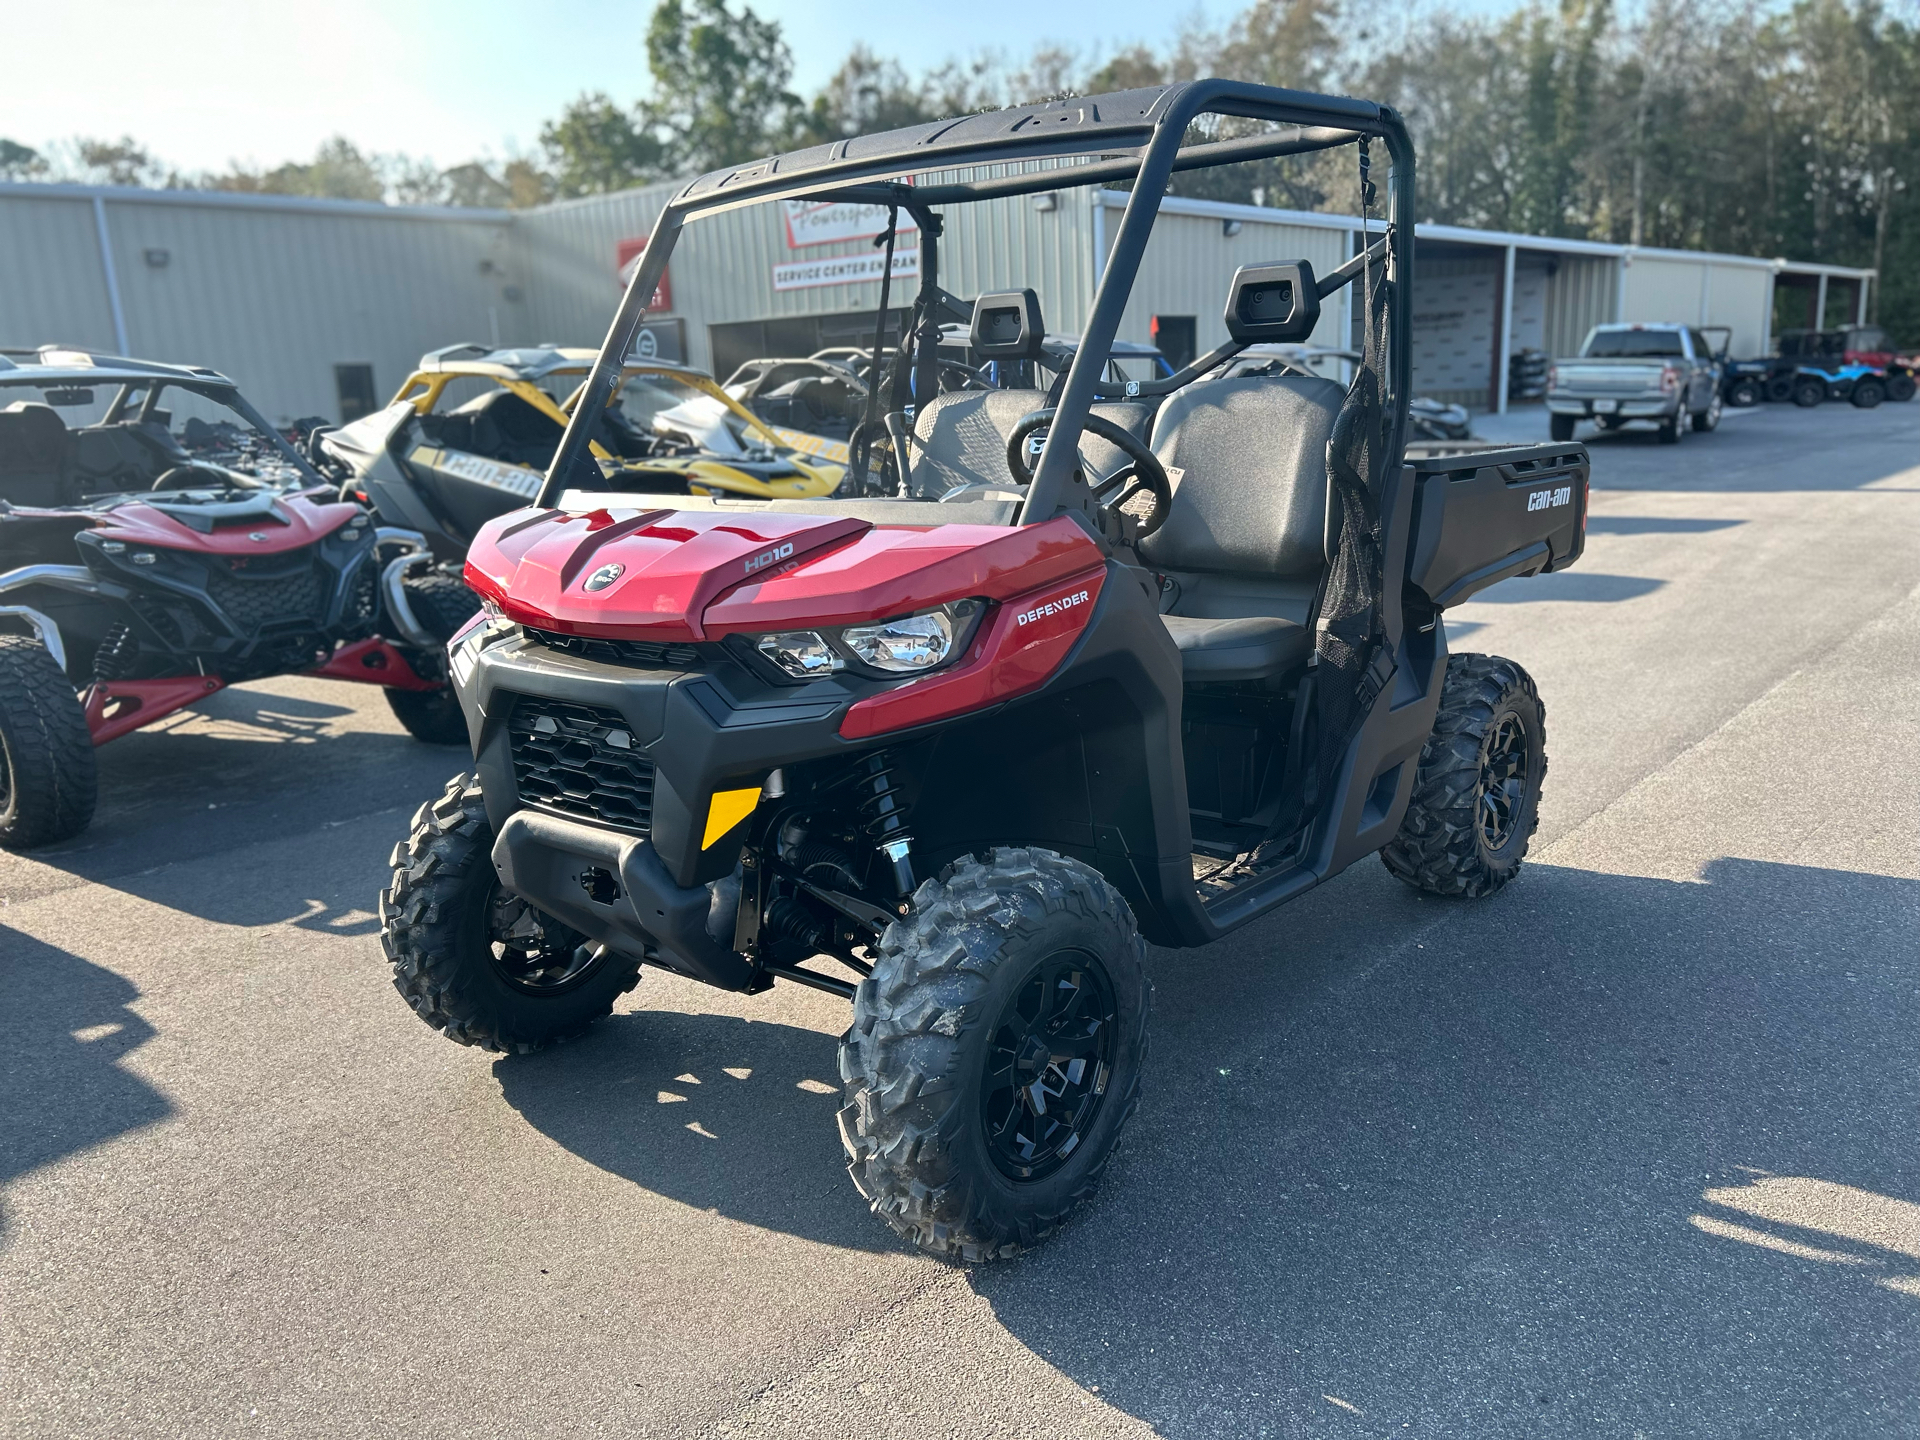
[{"x": 1143, "y": 474}]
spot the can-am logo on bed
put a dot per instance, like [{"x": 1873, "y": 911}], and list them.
[{"x": 1550, "y": 499}]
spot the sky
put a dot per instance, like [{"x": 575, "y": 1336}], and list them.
[{"x": 202, "y": 83}]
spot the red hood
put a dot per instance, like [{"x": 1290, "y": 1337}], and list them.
[
  {"x": 280, "y": 523},
  {"x": 699, "y": 575}
]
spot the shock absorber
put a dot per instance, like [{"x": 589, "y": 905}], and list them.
[
  {"x": 118, "y": 652},
  {"x": 884, "y": 814}
]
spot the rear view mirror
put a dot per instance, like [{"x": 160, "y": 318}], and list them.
[
  {"x": 70, "y": 396},
  {"x": 1273, "y": 304}
]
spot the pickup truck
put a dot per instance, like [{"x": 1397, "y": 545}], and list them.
[{"x": 1666, "y": 374}]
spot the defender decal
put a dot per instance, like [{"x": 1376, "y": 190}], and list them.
[
  {"x": 1549, "y": 499},
  {"x": 1052, "y": 607}
]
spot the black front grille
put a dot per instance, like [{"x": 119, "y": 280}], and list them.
[
  {"x": 253, "y": 603},
  {"x": 581, "y": 760},
  {"x": 641, "y": 654}
]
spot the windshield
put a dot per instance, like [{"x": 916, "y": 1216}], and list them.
[
  {"x": 1633, "y": 344},
  {"x": 71, "y": 440}
]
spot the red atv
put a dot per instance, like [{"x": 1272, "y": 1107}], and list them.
[
  {"x": 1175, "y": 656},
  {"x": 158, "y": 541}
]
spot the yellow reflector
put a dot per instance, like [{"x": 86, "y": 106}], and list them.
[{"x": 728, "y": 809}]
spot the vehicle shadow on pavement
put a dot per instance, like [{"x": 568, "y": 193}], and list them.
[
  {"x": 1601, "y": 1154},
  {"x": 65, "y": 1024},
  {"x": 719, "y": 1113}
]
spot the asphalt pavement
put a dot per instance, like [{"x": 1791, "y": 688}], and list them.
[{"x": 1628, "y": 1149}]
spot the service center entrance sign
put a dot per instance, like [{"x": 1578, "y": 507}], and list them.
[
  {"x": 844, "y": 269},
  {"x": 819, "y": 222},
  {"x": 627, "y": 255}
]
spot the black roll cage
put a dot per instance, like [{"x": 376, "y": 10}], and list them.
[{"x": 1136, "y": 136}]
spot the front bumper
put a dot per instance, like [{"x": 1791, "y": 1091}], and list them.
[{"x": 613, "y": 888}]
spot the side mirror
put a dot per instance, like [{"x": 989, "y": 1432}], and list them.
[{"x": 1273, "y": 304}]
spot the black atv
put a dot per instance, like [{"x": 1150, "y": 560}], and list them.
[{"x": 1181, "y": 659}]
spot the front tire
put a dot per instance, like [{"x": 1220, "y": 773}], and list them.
[
  {"x": 1744, "y": 394},
  {"x": 442, "y": 603},
  {"x": 1476, "y": 796},
  {"x": 1560, "y": 427},
  {"x": 48, "y": 781},
  {"x": 472, "y": 959},
  {"x": 995, "y": 1053},
  {"x": 1900, "y": 388},
  {"x": 1868, "y": 393}
]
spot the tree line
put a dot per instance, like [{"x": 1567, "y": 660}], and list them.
[{"x": 1787, "y": 128}]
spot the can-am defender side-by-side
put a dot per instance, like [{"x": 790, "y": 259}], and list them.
[
  {"x": 471, "y": 433},
  {"x": 976, "y": 753},
  {"x": 159, "y": 540}
]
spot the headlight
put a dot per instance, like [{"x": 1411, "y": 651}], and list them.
[
  {"x": 910, "y": 644},
  {"x": 804, "y": 654}
]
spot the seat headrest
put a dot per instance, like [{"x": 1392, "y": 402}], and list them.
[
  {"x": 1006, "y": 326},
  {"x": 35, "y": 432},
  {"x": 1273, "y": 304}
]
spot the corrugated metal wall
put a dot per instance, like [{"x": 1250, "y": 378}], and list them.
[
  {"x": 1581, "y": 293},
  {"x": 1190, "y": 263},
  {"x": 722, "y": 267},
  {"x": 273, "y": 294},
  {"x": 52, "y": 286},
  {"x": 1701, "y": 292}
]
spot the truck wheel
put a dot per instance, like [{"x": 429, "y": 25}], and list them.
[
  {"x": 995, "y": 1053},
  {"x": 1809, "y": 393},
  {"x": 1709, "y": 419},
  {"x": 1900, "y": 388},
  {"x": 442, "y": 603},
  {"x": 1672, "y": 426},
  {"x": 1476, "y": 797},
  {"x": 1560, "y": 427},
  {"x": 1868, "y": 393},
  {"x": 1743, "y": 394},
  {"x": 473, "y": 959},
  {"x": 47, "y": 779}
]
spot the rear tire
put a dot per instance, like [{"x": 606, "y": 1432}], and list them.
[
  {"x": 1809, "y": 393},
  {"x": 1560, "y": 427},
  {"x": 1022, "y": 970},
  {"x": 1671, "y": 427},
  {"x": 472, "y": 959},
  {"x": 1867, "y": 394},
  {"x": 1476, "y": 796},
  {"x": 442, "y": 603},
  {"x": 1900, "y": 388},
  {"x": 1708, "y": 419},
  {"x": 48, "y": 780}
]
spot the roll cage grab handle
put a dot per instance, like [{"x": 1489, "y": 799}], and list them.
[{"x": 1179, "y": 105}]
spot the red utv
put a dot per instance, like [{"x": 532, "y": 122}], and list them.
[
  {"x": 1176, "y": 655},
  {"x": 158, "y": 541}
]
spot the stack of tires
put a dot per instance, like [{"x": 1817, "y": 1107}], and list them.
[{"x": 1527, "y": 375}]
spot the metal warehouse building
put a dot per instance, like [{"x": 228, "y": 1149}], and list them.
[{"x": 321, "y": 307}]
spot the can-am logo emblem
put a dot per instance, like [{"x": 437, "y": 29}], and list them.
[
  {"x": 605, "y": 576},
  {"x": 256, "y": 535},
  {"x": 769, "y": 557},
  {"x": 1548, "y": 499}
]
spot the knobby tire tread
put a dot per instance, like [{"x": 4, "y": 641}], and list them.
[{"x": 55, "y": 776}]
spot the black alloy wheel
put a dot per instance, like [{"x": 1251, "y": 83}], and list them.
[
  {"x": 533, "y": 953},
  {"x": 1048, "y": 1064},
  {"x": 1505, "y": 771}
]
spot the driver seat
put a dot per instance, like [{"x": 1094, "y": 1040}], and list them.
[{"x": 1245, "y": 543}]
